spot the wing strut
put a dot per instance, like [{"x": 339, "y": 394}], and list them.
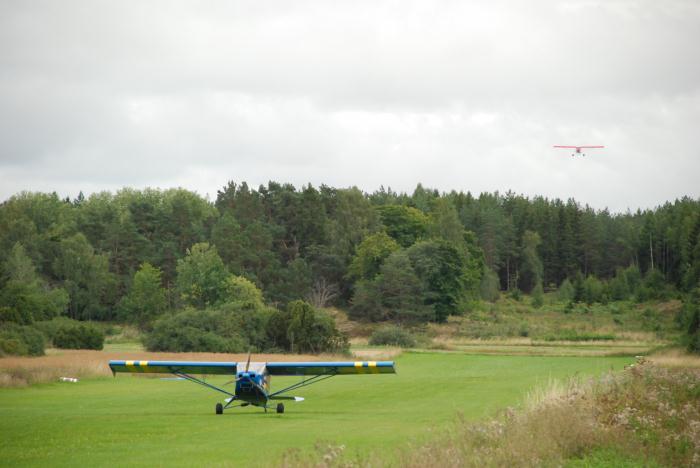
[
  {"x": 303, "y": 383},
  {"x": 201, "y": 382}
]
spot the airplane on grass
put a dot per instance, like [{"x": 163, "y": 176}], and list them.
[
  {"x": 252, "y": 384},
  {"x": 578, "y": 148}
]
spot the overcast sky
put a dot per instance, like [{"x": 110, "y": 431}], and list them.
[{"x": 460, "y": 95}]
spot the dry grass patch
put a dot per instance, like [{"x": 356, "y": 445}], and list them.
[
  {"x": 23, "y": 371},
  {"x": 521, "y": 346},
  {"x": 676, "y": 358},
  {"x": 353, "y": 329},
  {"x": 377, "y": 354},
  {"x": 646, "y": 414}
]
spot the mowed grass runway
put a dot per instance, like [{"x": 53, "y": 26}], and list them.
[{"x": 132, "y": 420}]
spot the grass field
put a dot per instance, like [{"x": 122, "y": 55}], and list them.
[{"x": 146, "y": 421}]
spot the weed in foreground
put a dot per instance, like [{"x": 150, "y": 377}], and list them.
[{"x": 645, "y": 413}]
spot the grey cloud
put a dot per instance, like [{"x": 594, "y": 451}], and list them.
[{"x": 457, "y": 95}]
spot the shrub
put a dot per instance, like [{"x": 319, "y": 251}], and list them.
[
  {"x": 654, "y": 287},
  {"x": 592, "y": 290},
  {"x": 10, "y": 314},
  {"x": 195, "y": 331},
  {"x": 515, "y": 294},
  {"x": 566, "y": 291},
  {"x": 50, "y": 327},
  {"x": 538, "y": 296},
  {"x": 569, "y": 307},
  {"x": 490, "y": 286},
  {"x": 392, "y": 335},
  {"x": 12, "y": 346},
  {"x": 21, "y": 340},
  {"x": 248, "y": 321},
  {"x": 78, "y": 336},
  {"x": 619, "y": 286},
  {"x": 572, "y": 335},
  {"x": 691, "y": 311},
  {"x": 524, "y": 330},
  {"x": 301, "y": 328}
]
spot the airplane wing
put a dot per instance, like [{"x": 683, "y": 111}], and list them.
[
  {"x": 331, "y": 368},
  {"x": 173, "y": 367},
  {"x": 579, "y": 147}
]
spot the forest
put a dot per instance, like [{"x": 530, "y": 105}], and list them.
[{"x": 255, "y": 267}]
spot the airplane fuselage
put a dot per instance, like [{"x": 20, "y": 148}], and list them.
[{"x": 252, "y": 387}]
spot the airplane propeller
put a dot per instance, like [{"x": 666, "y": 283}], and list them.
[{"x": 247, "y": 366}]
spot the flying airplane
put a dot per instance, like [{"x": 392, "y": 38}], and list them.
[
  {"x": 252, "y": 384},
  {"x": 578, "y": 148}
]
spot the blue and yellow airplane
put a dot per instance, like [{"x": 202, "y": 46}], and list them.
[{"x": 252, "y": 384}]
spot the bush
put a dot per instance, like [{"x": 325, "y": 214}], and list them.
[
  {"x": 619, "y": 286},
  {"x": 516, "y": 294},
  {"x": 78, "y": 336},
  {"x": 538, "y": 296},
  {"x": 654, "y": 287},
  {"x": 50, "y": 327},
  {"x": 247, "y": 321},
  {"x": 21, "y": 340},
  {"x": 392, "y": 335},
  {"x": 490, "y": 286},
  {"x": 195, "y": 331},
  {"x": 301, "y": 328},
  {"x": 572, "y": 335},
  {"x": 566, "y": 291},
  {"x": 691, "y": 312},
  {"x": 10, "y": 314},
  {"x": 592, "y": 290},
  {"x": 524, "y": 330}
]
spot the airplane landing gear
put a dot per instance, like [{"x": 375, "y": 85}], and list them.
[
  {"x": 280, "y": 408},
  {"x": 219, "y": 408}
]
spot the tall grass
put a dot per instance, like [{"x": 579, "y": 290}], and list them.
[
  {"x": 646, "y": 414},
  {"x": 23, "y": 371},
  {"x": 676, "y": 358},
  {"x": 554, "y": 321}
]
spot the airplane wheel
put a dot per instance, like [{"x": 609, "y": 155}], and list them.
[
  {"x": 280, "y": 408},
  {"x": 219, "y": 408}
]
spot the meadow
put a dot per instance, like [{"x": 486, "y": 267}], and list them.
[{"x": 150, "y": 421}]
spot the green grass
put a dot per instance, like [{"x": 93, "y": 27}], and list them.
[
  {"x": 144, "y": 421},
  {"x": 555, "y": 320},
  {"x": 610, "y": 458},
  {"x": 550, "y": 349}
]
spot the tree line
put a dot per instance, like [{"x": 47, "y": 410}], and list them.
[{"x": 383, "y": 255}]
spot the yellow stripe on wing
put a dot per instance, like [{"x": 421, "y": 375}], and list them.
[{"x": 373, "y": 367}]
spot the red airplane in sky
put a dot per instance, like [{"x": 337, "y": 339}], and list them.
[{"x": 578, "y": 148}]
